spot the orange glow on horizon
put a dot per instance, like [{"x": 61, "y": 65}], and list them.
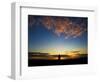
[{"x": 60, "y": 50}]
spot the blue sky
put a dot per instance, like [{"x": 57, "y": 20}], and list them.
[{"x": 45, "y": 38}]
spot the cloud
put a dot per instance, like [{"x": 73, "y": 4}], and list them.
[
  {"x": 74, "y": 31},
  {"x": 74, "y": 54},
  {"x": 62, "y": 26},
  {"x": 31, "y": 20},
  {"x": 47, "y": 22},
  {"x": 75, "y": 51}
]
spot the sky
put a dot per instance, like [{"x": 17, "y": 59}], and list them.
[{"x": 57, "y": 34}]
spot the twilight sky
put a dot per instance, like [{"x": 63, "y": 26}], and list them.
[{"x": 57, "y": 35}]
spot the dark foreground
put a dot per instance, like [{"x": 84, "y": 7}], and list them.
[{"x": 39, "y": 62}]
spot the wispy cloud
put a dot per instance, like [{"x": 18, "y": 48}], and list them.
[
  {"x": 31, "y": 20},
  {"x": 62, "y": 26}
]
